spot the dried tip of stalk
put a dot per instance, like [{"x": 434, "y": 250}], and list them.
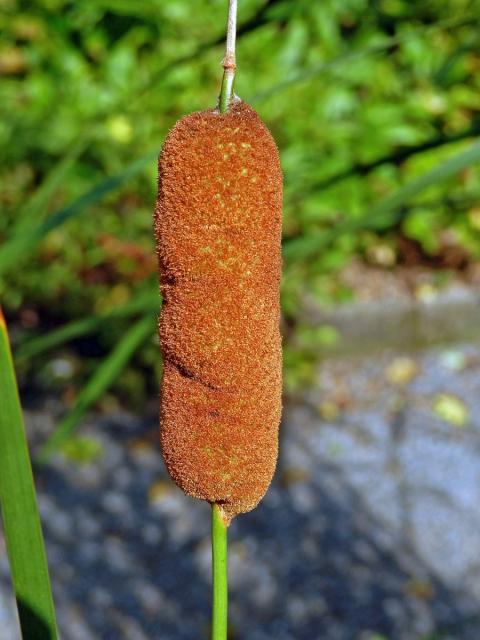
[{"x": 229, "y": 62}]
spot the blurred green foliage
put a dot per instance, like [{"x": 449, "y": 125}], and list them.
[{"x": 362, "y": 97}]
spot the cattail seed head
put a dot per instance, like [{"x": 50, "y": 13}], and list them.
[{"x": 218, "y": 231}]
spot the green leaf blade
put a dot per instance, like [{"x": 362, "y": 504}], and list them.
[
  {"x": 23, "y": 532},
  {"x": 147, "y": 301},
  {"x": 101, "y": 380},
  {"x": 22, "y": 243},
  {"x": 385, "y": 212}
]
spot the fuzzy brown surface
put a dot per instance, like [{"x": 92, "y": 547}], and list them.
[{"x": 218, "y": 230}]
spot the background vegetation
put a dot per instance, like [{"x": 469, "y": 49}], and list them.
[{"x": 375, "y": 107}]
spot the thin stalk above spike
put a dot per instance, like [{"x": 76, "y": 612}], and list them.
[{"x": 229, "y": 64}]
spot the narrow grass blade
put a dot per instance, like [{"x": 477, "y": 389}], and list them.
[
  {"x": 380, "y": 214},
  {"x": 298, "y": 184},
  {"x": 148, "y": 301},
  {"x": 39, "y": 199},
  {"x": 102, "y": 379},
  {"x": 22, "y": 243},
  {"x": 437, "y": 175},
  {"x": 23, "y": 532}
]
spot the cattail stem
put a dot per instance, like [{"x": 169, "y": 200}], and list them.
[
  {"x": 219, "y": 575},
  {"x": 219, "y": 527},
  {"x": 229, "y": 66}
]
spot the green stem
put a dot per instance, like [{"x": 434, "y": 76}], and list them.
[
  {"x": 226, "y": 92},
  {"x": 219, "y": 575}
]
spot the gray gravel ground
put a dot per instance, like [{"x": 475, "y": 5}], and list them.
[{"x": 370, "y": 530}]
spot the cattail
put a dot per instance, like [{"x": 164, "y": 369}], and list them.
[{"x": 218, "y": 228}]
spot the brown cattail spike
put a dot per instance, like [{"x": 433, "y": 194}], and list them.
[{"x": 218, "y": 230}]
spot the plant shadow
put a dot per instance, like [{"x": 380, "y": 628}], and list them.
[{"x": 31, "y": 623}]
